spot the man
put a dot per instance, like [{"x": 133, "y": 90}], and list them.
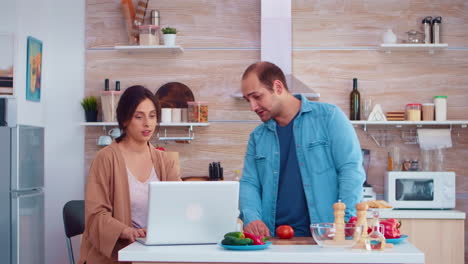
[{"x": 299, "y": 162}]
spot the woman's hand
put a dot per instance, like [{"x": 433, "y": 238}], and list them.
[{"x": 131, "y": 233}]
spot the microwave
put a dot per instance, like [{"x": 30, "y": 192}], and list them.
[{"x": 420, "y": 189}]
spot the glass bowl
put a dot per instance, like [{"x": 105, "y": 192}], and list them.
[{"x": 324, "y": 234}]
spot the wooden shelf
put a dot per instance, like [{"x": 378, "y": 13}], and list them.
[
  {"x": 431, "y": 48},
  {"x": 447, "y": 122},
  {"x": 398, "y": 124},
  {"x": 307, "y": 95},
  {"x": 150, "y": 49},
  {"x": 187, "y": 124}
]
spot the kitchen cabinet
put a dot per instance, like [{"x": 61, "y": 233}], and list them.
[
  {"x": 441, "y": 240},
  {"x": 440, "y": 234}
]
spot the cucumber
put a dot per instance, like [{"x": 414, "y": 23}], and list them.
[
  {"x": 235, "y": 234},
  {"x": 229, "y": 240}
]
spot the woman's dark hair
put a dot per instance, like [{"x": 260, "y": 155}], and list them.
[{"x": 128, "y": 104}]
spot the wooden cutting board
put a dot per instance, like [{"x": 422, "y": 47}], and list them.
[{"x": 293, "y": 241}]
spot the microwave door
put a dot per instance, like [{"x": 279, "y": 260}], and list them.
[{"x": 414, "y": 190}]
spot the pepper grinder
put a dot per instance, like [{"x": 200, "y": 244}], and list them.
[
  {"x": 339, "y": 213},
  {"x": 362, "y": 221}
]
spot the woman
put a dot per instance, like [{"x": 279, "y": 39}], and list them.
[{"x": 117, "y": 186}]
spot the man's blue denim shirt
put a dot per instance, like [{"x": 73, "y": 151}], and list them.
[{"x": 330, "y": 162}]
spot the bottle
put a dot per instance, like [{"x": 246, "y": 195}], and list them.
[
  {"x": 155, "y": 17},
  {"x": 427, "y": 21},
  {"x": 106, "y": 85},
  {"x": 355, "y": 99},
  {"x": 117, "y": 85},
  {"x": 375, "y": 240},
  {"x": 436, "y": 29}
]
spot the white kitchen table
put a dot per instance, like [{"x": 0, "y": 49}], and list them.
[{"x": 138, "y": 253}]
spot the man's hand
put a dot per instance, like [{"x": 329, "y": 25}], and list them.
[
  {"x": 257, "y": 228},
  {"x": 131, "y": 233}
]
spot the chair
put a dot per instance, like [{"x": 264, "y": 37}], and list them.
[{"x": 74, "y": 222}]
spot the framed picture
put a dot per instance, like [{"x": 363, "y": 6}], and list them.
[
  {"x": 34, "y": 70},
  {"x": 6, "y": 64}
]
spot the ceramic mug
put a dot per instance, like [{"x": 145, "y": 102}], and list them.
[
  {"x": 114, "y": 133},
  {"x": 104, "y": 141}
]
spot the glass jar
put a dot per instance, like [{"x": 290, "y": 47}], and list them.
[
  {"x": 148, "y": 36},
  {"x": 414, "y": 165},
  {"x": 415, "y": 36},
  {"x": 413, "y": 112},
  {"x": 428, "y": 112},
  {"x": 197, "y": 112},
  {"x": 440, "y": 102}
]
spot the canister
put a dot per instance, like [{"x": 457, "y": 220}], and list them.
[
  {"x": 197, "y": 112},
  {"x": 148, "y": 36},
  {"x": 428, "y": 112},
  {"x": 413, "y": 112},
  {"x": 440, "y": 102}
]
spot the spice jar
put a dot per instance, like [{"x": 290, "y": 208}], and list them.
[
  {"x": 414, "y": 165},
  {"x": 428, "y": 112},
  {"x": 148, "y": 35},
  {"x": 406, "y": 165},
  {"x": 413, "y": 112},
  {"x": 197, "y": 112}
]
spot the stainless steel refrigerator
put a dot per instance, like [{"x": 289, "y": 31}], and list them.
[{"x": 21, "y": 195}]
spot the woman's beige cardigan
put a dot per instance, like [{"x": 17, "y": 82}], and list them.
[{"x": 107, "y": 203}]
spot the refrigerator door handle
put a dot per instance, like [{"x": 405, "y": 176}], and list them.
[{"x": 25, "y": 194}]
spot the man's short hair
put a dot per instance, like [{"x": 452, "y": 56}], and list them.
[{"x": 267, "y": 73}]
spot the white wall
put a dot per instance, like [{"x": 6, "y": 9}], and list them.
[
  {"x": 64, "y": 160},
  {"x": 60, "y": 25}
]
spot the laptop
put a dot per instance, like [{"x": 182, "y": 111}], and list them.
[{"x": 197, "y": 212}]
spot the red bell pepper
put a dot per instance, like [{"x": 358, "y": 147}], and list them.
[
  {"x": 257, "y": 240},
  {"x": 351, "y": 222},
  {"x": 391, "y": 228}
]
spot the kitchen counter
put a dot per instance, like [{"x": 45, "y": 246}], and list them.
[
  {"x": 420, "y": 214},
  {"x": 276, "y": 253}
]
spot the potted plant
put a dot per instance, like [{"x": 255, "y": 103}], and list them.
[
  {"x": 90, "y": 107},
  {"x": 169, "y": 36}
]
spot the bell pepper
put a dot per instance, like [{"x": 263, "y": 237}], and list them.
[
  {"x": 257, "y": 240},
  {"x": 391, "y": 228},
  {"x": 349, "y": 231}
]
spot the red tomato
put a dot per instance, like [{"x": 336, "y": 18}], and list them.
[{"x": 285, "y": 231}]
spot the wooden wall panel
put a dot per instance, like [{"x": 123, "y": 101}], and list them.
[
  {"x": 213, "y": 76},
  {"x": 393, "y": 80},
  {"x": 199, "y": 23},
  {"x": 223, "y": 142},
  {"x": 347, "y": 23}
]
